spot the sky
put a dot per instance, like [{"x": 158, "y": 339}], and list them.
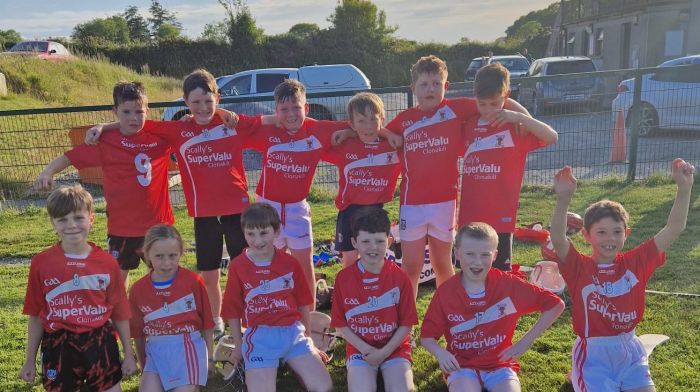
[{"x": 441, "y": 21}]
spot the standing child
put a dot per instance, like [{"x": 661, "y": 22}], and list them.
[
  {"x": 135, "y": 167},
  {"x": 374, "y": 309},
  {"x": 497, "y": 144},
  {"x": 433, "y": 142},
  {"x": 477, "y": 312},
  {"x": 73, "y": 291},
  {"x": 267, "y": 293},
  {"x": 368, "y": 168},
  {"x": 172, "y": 317},
  {"x": 607, "y": 287}
]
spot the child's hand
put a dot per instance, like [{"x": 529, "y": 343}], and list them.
[
  {"x": 342, "y": 135},
  {"x": 375, "y": 356},
  {"x": 683, "y": 173},
  {"x": 230, "y": 119},
  {"x": 395, "y": 140},
  {"x": 92, "y": 136},
  {"x": 503, "y": 116},
  {"x": 515, "y": 351},
  {"x": 28, "y": 372},
  {"x": 129, "y": 366},
  {"x": 448, "y": 362},
  {"x": 564, "y": 182},
  {"x": 44, "y": 182}
]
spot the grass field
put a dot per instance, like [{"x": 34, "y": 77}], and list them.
[{"x": 675, "y": 365}]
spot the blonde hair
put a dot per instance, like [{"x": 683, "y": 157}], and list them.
[
  {"x": 477, "y": 231},
  {"x": 428, "y": 65},
  {"x": 67, "y": 199},
  {"x": 159, "y": 232},
  {"x": 364, "y": 102}
]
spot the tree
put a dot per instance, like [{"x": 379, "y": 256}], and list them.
[
  {"x": 138, "y": 27},
  {"x": 304, "y": 30},
  {"x": 242, "y": 31},
  {"x": 529, "y": 30},
  {"x": 167, "y": 32},
  {"x": 108, "y": 30},
  {"x": 217, "y": 32},
  {"x": 161, "y": 16},
  {"x": 9, "y": 37}
]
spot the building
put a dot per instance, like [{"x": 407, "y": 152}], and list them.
[{"x": 622, "y": 34}]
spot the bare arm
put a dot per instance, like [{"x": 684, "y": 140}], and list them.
[
  {"x": 356, "y": 341},
  {"x": 237, "y": 336},
  {"x": 564, "y": 187},
  {"x": 376, "y": 357},
  {"x": 306, "y": 319},
  {"x": 515, "y": 106},
  {"x": 140, "y": 344},
  {"x": 44, "y": 181},
  {"x": 395, "y": 140},
  {"x": 92, "y": 136},
  {"x": 447, "y": 361},
  {"x": 683, "y": 174},
  {"x": 129, "y": 364},
  {"x": 525, "y": 124},
  {"x": 546, "y": 319},
  {"x": 208, "y": 335},
  {"x": 34, "y": 333}
]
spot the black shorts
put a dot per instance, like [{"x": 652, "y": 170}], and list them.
[
  {"x": 343, "y": 226},
  {"x": 71, "y": 361},
  {"x": 127, "y": 250},
  {"x": 505, "y": 251},
  {"x": 209, "y": 235}
]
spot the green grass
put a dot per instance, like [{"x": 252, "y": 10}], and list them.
[{"x": 675, "y": 365}]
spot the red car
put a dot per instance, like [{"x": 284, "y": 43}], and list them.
[{"x": 47, "y": 50}]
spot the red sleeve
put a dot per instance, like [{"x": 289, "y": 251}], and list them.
[
  {"x": 136, "y": 322},
  {"x": 166, "y": 130},
  {"x": 258, "y": 140},
  {"x": 338, "y": 306},
  {"x": 85, "y": 156},
  {"x": 301, "y": 290},
  {"x": 408, "y": 316},
  {"x": 203, "y": 303},
  {"x": 34, "y": 300},
  {"x": 644, "y": 259},
  {"x": 116, "y": 295},
  {"x": 465, "y": 107},
  {"x": 434, "y": 324},
  {"x": 531, "y": 298},
  {"x": 247, "y": 125},
  {"x": 571, "y": 267},
  {"x": 324, "y": 129},
  {"x": 333, "y": 155},
  {"x": 529, "y": 142},
  {"x": 232, "y": 304},
  {"x": 395, "y": 125}
]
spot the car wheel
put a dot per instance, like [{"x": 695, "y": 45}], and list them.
[{"x": 648, "y": 121}]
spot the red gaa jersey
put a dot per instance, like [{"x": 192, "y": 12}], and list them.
[
  {"x": 374, "y": 306},
  {"x": 210, "y": 158},
  {"x": 289, "y": 160},
  {"x": 367, "y": 172},
  {"x": 492, "y": 173},
  {"x": 432, "y": 144},
  {"x": 182, "y": 307},
  {"x": 135, "y": 180},
  {"x": 608, "y": 299},
  {"x": 75, "y": 294},
  {"x": 477, "y": 330},
  {"x": 265, "y": 294}
]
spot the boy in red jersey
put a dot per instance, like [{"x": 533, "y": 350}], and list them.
[
  {"x": 267, "y": 293},
  {"x": 433, "y": 142},
  {"x": 172, "y": 323},
  {"x": 291, "y": 152},
  {"x": 368, "y": 168},
  {"x": 494, "y": 161},
  {"x": 74, "y": 289},
  {"x": 477, "y": 312},
  {"x": 607, "y": 288},
  {"x": 135, "y": 167},
  {"x": 374, "y": 308}
]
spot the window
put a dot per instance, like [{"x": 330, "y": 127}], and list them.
[
  {"x": 600, "y": 35},
  {"x": 586, "y": 43},
  {"x": 237, "y": 86},
  {"x": 267, "y": 82}
]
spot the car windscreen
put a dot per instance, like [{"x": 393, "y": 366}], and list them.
[
  {"x": 474, "y": 65},
  {"x": 567, "y": 67},
  {"x": 517, "y": 65},
  {"x": 30, "y": 47}
]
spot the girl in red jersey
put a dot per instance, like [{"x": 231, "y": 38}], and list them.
[{"x": 172, "y": 321}]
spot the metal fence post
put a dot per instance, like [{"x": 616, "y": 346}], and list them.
[
  {"x": 635, "y": 112},
  {"x": 409, "y": 96}
]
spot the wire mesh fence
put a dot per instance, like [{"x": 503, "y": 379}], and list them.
[{"x": 606, "y": 127}]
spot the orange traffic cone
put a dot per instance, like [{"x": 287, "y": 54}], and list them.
[{"x": 618, "y": 152}]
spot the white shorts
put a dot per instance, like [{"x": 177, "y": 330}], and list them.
[
  {"x": 264, "y": 346},
  {"x": 610, "y": 363},
  {"x": 435, "y": 220},
  {"x": 177, "y": 359},
  {"x": 486, "y": 378},
  {"x": 295, "y": 231},
  {"x": 358, "y": 360}
]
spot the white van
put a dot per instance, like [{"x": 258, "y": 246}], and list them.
[{"x": 336, "y": 78}]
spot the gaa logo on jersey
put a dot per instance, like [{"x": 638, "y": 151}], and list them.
[{"x": 51, "y": 374}]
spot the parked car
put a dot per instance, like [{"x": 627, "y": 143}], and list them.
[
  {"x": 47, "y": 50},
  {"x": 670, "y": 100},
  {"x": 576, "y": 91},
  {"x": 517, "y": 65},
  {"x": 337, "y": 78}
]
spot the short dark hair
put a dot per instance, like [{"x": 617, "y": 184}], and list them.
[
  {"x": 370, "y": 220},
  {"x": 67, "y": 199},
  {"x": 492, "y": 80},
  {"x": 290, "y": 89},
  {"x": 129, "y": 91},
  {"x": 199, "y": 78},
  {"x": 605, "y": 209},
  {"x": 477, "y": 231},
  {"x": 260, "y": 216}
]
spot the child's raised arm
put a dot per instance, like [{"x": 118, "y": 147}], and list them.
[
  {"x": 546, "y": 319},
  {"x": 683, "y": 175},
  {"x": 525, "y": 124},
  {"x": 564, "y": 187},
  {"x": 44, "y": 181}
]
